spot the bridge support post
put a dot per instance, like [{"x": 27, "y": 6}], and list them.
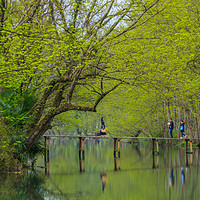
[
  {"x": 191, "y": 147},
  {"x": 83, "y": 152},
  {"x": 153, "y": 147},
  {"x": 115, "y": 140},
  {"x": 81, "y": 148},
  {"x": 117, "y": 163},
  {"x": 82, "y": 165},
  {"x": 118, "y": 147},
  {"x": 153, "y": 144},
  {"x": 186, "y": 146},
  {"x": 157, "y": 146}
]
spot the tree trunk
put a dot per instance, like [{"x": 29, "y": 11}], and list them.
[
  {"x": 165, "y": 119},
  {"x": 179, "y": 119}
]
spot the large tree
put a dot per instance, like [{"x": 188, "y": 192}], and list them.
[{"x": 68, "y": 53}]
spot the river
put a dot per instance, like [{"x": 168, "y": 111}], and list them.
[{"x": 136, "y": 175}]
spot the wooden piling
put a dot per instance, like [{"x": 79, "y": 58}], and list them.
[
  {"x": 186, "y": 146},
  {"x": 118, "y": 163},
  {"x": 154, "y": 166},
  {"x": 186, "y": 160},
  {"x": 115, "y": 163},
  {"x": 79, "y": 148},
  {"x": 153, "y": 145},
  {"x": 83, "y": 144},
  {"x": 191, "y": 147},
  {"x": 118, "y": 147},
  {"x": 83, "y": 153},
  {"x": 157, "y": 146},
  {"x": 191, "y": 160},
  {"x": 82, "y": 165},
  {"x": 157, "y": 161},
  {"x": 115, "y": 139}
]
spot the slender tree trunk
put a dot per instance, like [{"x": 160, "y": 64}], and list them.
[
  {"x": 179, "y": 119},
  {"x": 165, "y": 119}
]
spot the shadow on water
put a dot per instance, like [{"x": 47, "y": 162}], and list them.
[{"x": 135, "y": 173}]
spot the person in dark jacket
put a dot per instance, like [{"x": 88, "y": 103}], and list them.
[
  {"x": 103, "y": 129},
  {"x": 182, "y": 129},
  {"x": 171, "y": 127}
]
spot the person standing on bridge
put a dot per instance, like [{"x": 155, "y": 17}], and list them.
[
  {"x": 103, "y": 129},
  {"x": 182, "y": 129},
  {"x": 171, "y": 127}
]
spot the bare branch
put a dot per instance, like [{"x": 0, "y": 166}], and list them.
[
  {"x": 89, "y": 13},
  {"x": 104, "y": 94},
  {"x": 131, "y": 27},
  {"x": 73, "y": 84}
]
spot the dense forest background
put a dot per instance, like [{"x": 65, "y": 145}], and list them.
[
  {"x": 65, "y": 64},
  {"x": 164, "y": 55}
]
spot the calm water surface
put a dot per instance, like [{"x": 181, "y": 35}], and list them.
[{"x": 135, "y": 175}]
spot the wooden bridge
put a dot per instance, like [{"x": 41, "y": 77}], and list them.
[
  {"x": 154, "y": 141},
  {"x": 117, "y": 140}
]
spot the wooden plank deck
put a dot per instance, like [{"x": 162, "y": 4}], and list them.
[{"x": 119, "y": 137}]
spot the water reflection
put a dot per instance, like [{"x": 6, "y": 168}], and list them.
[
  {"x": 116, "y": 163},
  {"x": 82, "y": 165},
  {"x": 182, "y": 176},
  {"x": 171, "y": 178},
  {"x": 175, "y": 175},
  {"x": 22, "y": 186},
  {"x": 103, "y": 180},
  {"x": 155, "y": 165}
]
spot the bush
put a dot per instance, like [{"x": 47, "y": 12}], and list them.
[{"x": 8, "y": 152}]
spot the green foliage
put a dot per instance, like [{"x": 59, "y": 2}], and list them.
[
  {"x": 14, "y": 106},
  {"x": 8, "y": 153},
  {"x": 12, "y": 145}
]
